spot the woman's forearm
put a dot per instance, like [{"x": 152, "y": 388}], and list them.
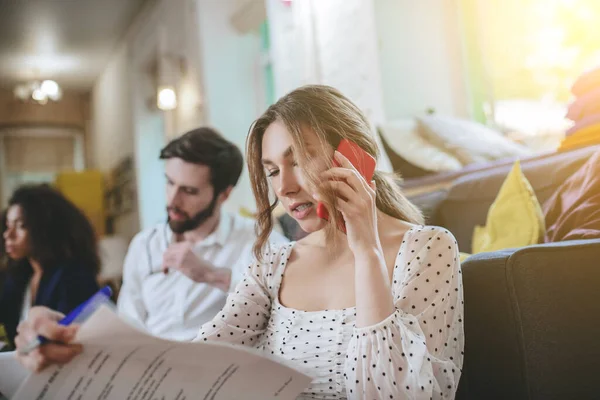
[{"x": 374, "y": 301}]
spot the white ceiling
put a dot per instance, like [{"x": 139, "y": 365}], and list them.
[{"x": 69, "y": 41}]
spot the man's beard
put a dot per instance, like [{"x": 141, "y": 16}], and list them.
[{"x": 189, "y": 224}]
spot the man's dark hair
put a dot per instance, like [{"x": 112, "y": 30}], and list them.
[
  {"x": 206, "y": 146},
  {"x": 59, "y": 232}
]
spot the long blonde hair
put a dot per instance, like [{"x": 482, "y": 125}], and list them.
[{"x": 332, "y": 117}]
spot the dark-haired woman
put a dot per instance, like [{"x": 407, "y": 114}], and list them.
[{"x": 50, "y": 253}]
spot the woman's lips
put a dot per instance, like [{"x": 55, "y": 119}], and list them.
[{"x": 303, "y": 210}]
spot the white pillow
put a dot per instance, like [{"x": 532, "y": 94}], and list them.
[
  {"x": 468, "y": 141},
  {"x": 383, "y": 163},
  {"x": 403, "y": 138}
]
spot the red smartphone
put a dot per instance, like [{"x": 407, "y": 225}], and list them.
[{"x": 361, "y": 160}]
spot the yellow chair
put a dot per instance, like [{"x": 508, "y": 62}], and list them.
[{"x": 86, "y": 190}]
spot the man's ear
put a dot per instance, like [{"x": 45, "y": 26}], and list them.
[{"x": 224, "y": 195}]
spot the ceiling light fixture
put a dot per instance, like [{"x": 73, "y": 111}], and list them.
[
  {"x": 166, "y": 98},
  {"x": 51, "y": 88},
  {"x": 40, "y": 92}
]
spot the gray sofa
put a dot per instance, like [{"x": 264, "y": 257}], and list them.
[
  {"x": 462, "y": 203},
  {"x": 532, "y": 323},
  {"x": 532, "y": 315}
]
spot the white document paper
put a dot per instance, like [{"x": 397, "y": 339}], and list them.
[
  {"x": 12, "y": 374},
  {"x": 122, "y": 363}
]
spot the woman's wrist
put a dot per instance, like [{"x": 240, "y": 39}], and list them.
[{"x": 368, "y": 255}]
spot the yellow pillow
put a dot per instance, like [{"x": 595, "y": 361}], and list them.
[
  {"x": 246, "y": 213},
  {"x": 515, "y": 219},
  {"x": 463, "y": 256}
]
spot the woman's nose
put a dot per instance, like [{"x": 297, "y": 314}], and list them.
[{"x": 288, "y": 184}]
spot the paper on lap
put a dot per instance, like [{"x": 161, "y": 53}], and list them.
[
  {"x": 12, "y": 374},
  {"x": 121, "y": 362}
]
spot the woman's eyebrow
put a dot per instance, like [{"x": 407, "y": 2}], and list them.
[{"x": 288, "y": 152}]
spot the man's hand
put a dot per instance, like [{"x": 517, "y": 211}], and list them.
[
  {"x": 43, "y": 321},
  {"x": 180, "y": 256}
]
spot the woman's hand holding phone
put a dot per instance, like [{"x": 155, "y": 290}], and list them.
[{"x": 356, "y": 202}]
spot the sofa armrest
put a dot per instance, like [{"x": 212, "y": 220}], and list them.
[
  {"x": 540, "y": 249},
  {"x": 531, "y": 322}
]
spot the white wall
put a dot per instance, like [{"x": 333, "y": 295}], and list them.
[
  {"x": 232, "y": 98},
  {"x": 346, "y": 45},
  {"x": 190, "y": 113},
  {"x": 285, "y": 47},
  {"x": 151, "y": 181},
  {"x": 123, "y": 119},
  {"x": 111, "y": 126},
  {"x": 111, "y": 112},
  {"x": 331, "y": 42},
  {"x": 420, "y": 57},
  {"x": 394, "y": 58},
  {"x": 219, "y": 86}
]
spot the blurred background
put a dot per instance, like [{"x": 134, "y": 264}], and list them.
[{"x": 90, "y": 90}]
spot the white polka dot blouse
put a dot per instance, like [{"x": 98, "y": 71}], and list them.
[{"x": 415, "y": 353}]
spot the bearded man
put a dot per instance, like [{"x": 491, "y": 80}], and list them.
[{"x": 177, "y": 274}]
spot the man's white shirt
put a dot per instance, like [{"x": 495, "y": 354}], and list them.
[{"x": 172, "y": 306}]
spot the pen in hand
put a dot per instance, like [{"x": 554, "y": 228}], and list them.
[
  {"x": 176, "y": 238},
  {"x": 79, "y": 314}
]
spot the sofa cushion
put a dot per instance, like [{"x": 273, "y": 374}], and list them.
[
  {"x": 514, "y": 219},
  {"x": 429, "y": 203},
  {"x": 531, "y": 326},
  {"x": 470, "y": 196},
  {"x": 490, "y": 343}
]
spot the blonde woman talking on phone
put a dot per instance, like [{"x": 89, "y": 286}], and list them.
[{"x": 374, "y": 312}]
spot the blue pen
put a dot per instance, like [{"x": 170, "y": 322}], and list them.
[{"x": 79, "y": 314}]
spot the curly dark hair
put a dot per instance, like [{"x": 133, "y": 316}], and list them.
[{"x": 59, "y": 232}]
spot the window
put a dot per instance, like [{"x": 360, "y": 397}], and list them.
[
  {"x": 36, "y": 155},
  {"x": 523, "y": 56}
]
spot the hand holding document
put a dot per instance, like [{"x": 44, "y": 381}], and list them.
[{"x": 121, "y": 362}]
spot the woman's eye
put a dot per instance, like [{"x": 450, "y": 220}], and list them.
[{"x": 272, "y": 173}]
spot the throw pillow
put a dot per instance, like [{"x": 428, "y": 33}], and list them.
[
  {"x": 469, "y": 141},
  {"x": 573, "y": 212},
  {"x": 584, "y": 137},
  {"x": 514, "y": 219},
  {"x": 589, "y": 123},
  {"x": 586, "y": 105},
  {"x": 587, "y": 82},
  {"x": 403, "y": 138}
]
